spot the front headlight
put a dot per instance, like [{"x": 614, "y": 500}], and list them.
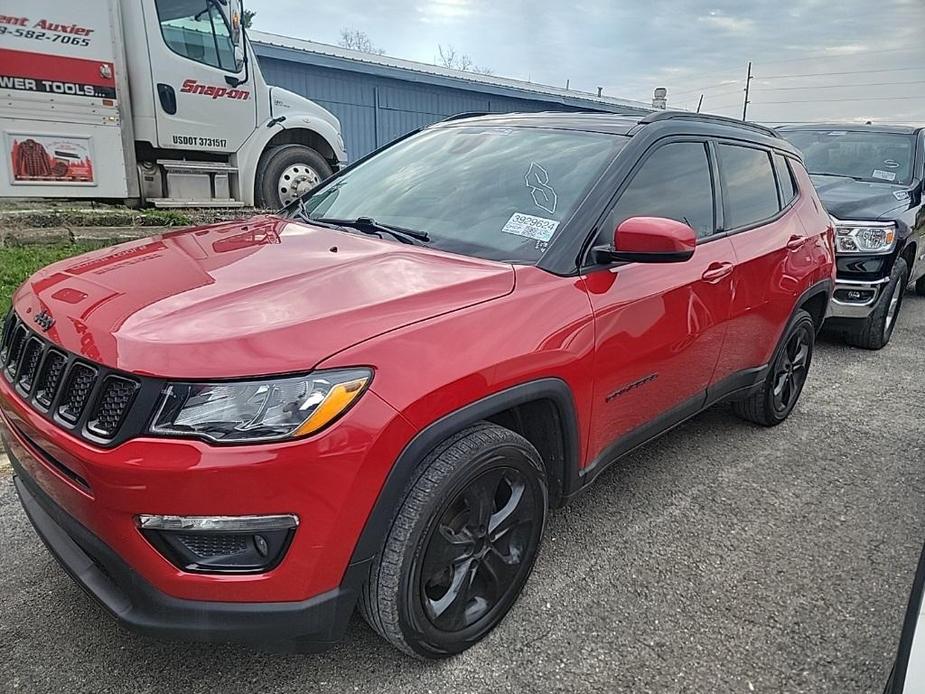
[
  {"x": 864, "y": 237},
  {"x": 264, "y": 410}
]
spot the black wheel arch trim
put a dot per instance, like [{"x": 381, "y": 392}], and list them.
[{"x": 406, "y": 467}]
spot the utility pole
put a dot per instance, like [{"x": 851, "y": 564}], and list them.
[
  {"x": 748, "y": 82},
  {"x": 700, "y": 103}
]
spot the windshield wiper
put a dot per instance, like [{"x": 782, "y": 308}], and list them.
[
  {"x": 368, "y": 225},
  {"x": 834, "y": 175}
]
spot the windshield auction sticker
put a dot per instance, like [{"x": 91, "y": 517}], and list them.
[{"x": 528, "y": 226}]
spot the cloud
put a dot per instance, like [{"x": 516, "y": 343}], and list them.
[
  {"x": 690, "y": 47},
  {"x": 733, "y": 25}
]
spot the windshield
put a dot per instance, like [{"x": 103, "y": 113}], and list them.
[
  {"x": 492, "y": 192},
  {"x": 868, "y": 156}
]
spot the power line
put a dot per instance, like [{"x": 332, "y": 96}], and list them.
[
  {"x": 828, "y": 101},
  {"x": 832, "y": 56},
  {"x": 836, "y": 86},
  {"x": 847, "y": 72}
]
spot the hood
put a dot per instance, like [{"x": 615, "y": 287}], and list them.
[
  {"x": 285, "y": 103},
  {"x": 846, "y": 198},
  {"x": 262, "y": 296}
]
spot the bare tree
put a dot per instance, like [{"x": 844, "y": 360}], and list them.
[
  {"x": 453, "y": 59},
  {"x": 357, "y": 40},
  {"x": 247, "y": 18}
]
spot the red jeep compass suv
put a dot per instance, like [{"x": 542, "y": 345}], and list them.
[{"x": 245, "y": 430}]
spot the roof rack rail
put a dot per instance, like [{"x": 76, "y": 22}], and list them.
[
  {"x": 466, "y": 114},
  {"x": 708, "y": 118}
]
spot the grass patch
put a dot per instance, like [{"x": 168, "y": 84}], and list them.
[{"x": 18, "y": 262}]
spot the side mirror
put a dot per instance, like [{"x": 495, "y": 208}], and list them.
[{"x": 648, "y": 240}]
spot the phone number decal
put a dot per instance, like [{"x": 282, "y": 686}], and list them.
[{"x": 44, "y": 36}]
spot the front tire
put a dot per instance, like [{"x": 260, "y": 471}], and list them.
[
  {"x": 286, "y": 172},
  {"x": 462, "y": 544},
  {"x": 875, "y": 331},
  {"x": 781, "y": 389}
]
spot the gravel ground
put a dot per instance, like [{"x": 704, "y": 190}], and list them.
[{"x": 721, "y": 558}]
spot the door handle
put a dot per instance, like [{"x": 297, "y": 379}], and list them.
[
  {"x": 795, "y": 243},
  {"x": 716, "y": 272},
  {"x": 168, "y": 98}
]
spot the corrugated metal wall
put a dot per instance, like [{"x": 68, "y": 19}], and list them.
[{"x": 375, "y": 110}]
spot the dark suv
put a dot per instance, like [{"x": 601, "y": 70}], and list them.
[
  {"x": 244, "y": 430},
  {"x": 870, "y": 179}
]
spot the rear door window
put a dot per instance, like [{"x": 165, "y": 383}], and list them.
[
  {"x": 749, "y": 188},
  {"x": 676, "y": 183}
]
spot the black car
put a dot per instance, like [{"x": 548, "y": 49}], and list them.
[{"x": 870, "y": 179}]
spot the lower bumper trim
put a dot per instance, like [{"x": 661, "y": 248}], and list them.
[
  {"x": 869, "y": 293},
  {"x": 309, "y": 625}
]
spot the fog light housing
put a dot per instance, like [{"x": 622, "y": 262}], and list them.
[
  {"x": 855, "y": 296},
  {"x": 221, "y": 544}
]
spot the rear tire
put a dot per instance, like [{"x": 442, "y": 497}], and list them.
[
  {"x": 875, "y": 331},
  {"x": 462, "y": 544},
  {"x": 286, "y": 172},
  {"x": 774, "y": 402}
]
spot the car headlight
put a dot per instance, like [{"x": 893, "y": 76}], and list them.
[
  {"x": 864, "y": 237},
  {"x": 258, "y": 410}
]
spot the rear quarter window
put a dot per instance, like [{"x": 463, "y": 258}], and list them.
[
  {"x": 750, "y": 189},
  {"x": 785, "y": 177}
]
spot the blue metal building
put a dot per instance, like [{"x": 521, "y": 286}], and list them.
[{"x": 378, "y": 98}]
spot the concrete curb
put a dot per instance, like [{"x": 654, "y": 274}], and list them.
[{"x": 62, "y": 235}]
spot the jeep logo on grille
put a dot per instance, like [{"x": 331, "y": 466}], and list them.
[{"x": 44, "y": 320}]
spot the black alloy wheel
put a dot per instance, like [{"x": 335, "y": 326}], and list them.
[
  {"x": 477, "y": 548},
  {"x": 772, "y": 401},
  {"x": 790, "y": 370},
  {"x": 462, "y": 544}
]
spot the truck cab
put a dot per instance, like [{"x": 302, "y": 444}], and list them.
[{"x": 161, "y": 100}]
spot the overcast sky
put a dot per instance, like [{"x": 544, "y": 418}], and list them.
[{"x": 688, "y": 46}]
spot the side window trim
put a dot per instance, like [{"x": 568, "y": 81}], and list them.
[
  {"x": 761, "y": 222},
  {"x": 719, "y": 213}
]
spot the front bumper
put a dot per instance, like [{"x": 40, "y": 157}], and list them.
[
  {"x": 856, "y": 298},
  {"x": 310, "y": 624},
  {"x": 93, "y": 497}
]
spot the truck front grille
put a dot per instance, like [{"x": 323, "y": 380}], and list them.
[{"x": 94, "y": 402}]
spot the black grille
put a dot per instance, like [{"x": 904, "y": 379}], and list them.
[
  {"x": 112, "y": 405},
  {"x": 80, "y": 381},
  {"x": 29, "y": 363},
  {"x": 50, "y": 378},
  {"x": 213, "y": 545},
  {"x": 93, "y": 401},
  {"x": 18, "y": 342}
]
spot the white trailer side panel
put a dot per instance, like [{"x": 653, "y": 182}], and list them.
[{"x": 62, "y": 101}]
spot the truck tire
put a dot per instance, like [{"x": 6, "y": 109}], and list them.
[
  {"x": 875, "y": 331},
  {"x": 462, "y": 544},
  {"x": 774, "y": 402},
  {"x": 286, "y": 172}
]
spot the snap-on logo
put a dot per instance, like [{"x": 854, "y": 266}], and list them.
[{"x": 194, "y": 87}]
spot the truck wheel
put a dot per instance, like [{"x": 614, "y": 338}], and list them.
[
  {"x": 286, "y": 172},
  {"x": 875, "y": 331},
  {"x": 462, "y": 545},
  {"x": 782, "y": 386}
]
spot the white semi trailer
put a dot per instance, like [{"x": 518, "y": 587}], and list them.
[{"x": 160, "y": 101}]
